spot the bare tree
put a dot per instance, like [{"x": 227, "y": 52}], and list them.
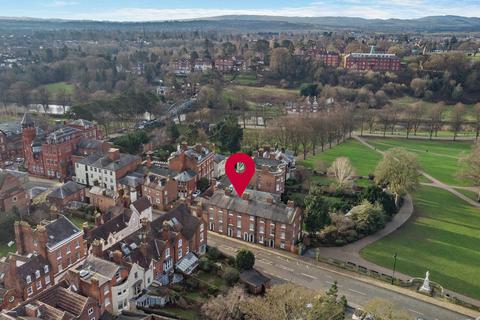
[
  {"x": 364, "y": 114},
  {"x": 43, "y": 97},
  {"x": 435, "y": 119},
  {"x": 477, "y": 120},
  {"x": 413, "y": 117},
  {"x": 457, "y": 119},
  {"x": 342, "y": 170},
  {"x": 225, "y": 307}
]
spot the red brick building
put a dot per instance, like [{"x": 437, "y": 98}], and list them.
[
  {"x": 51, "y": 155},
  {"x": 12, "y": 193},
  {"x": 329, "y": 58},
  {"x": 372, "y": 61},
  {"x": 57, "y": 302},
  {"x": 10, "y": 141},
  {"x": 59, "y": 241},
  {"x": 69, "y": 191},
  {"x": 160, "y": 187},
  {"x": 22, "y": 277},
  {"x": 257, "y": 217},
  {"x": 192, "y": 163},
  {"x": 270, "y": 175}
]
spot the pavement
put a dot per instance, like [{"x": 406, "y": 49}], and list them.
[{"x": 357, "y": 289}]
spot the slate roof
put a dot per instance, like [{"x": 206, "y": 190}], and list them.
[
  {"x": 61, "y": 133},
  {"x": 101, "y": 269},
  {"x": 90, "y": 144},
  {"x": 254, "y": 278},
  {"x": 115, "y": 224},
  {"x": 188, "y": 223},
  {"x": 141, "y": 204},
  {"x": 133, "y": 180},
  {"x": 257, "y": 205},
  {"x": 217, "y": 158},
  {"x": 124, "y": 159},
  {"x": 161, "y": 171},
  {"x": 81, "y": 122},
  {"x": 59, "y": 230},
  {"x": 185, "y": 176},
  {"x": 67, "y": 189},
  {"x": 28, "y": 268}
]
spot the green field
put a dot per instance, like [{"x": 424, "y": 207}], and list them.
[
  {"x": 363, "y": 159},
  {"x": 55, "y": 88},
  {"x": 443, "y": 237},
  {"x": 407, "y": 100},
  {"x": 439, "y": 159}
]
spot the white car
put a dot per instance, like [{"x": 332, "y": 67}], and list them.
[{"x": 196, "y": 193}]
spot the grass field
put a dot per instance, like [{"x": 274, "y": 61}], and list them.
[
  {"x": 440, "y": 159},
  {"x": 406, "y": 100},
  {"x": 363, "y": 159},
  {"x": 443, "y": 237},
  {"x": 55, "y": 88},
  {"x": 255, "y": 92}
]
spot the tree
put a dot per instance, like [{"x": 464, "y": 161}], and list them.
[
  {"x": 435, "y": 119},
  {"x": 477, "y": 120},
  {"x": 385, "y": 310},
  {"x": 231, "y": 275},
  {"x": 457, "y": 119},
  {"x": 368, "y": 217},
  {"x": 43, "y": 97},
  {"x": 413, "y": 118},
  {"x": 309, "y": 90},
  {"x": 245, "y": 259},
  {"x": 203, "y": 184},
  {"x": 342, "y": 170},
  {"x": 225, "y": 307},
  {"x": 399, "y": 170},
  {"x": 289, "y": 301},
  {"x": 173, "y": 132},
  {"x": 418, "y": 86},
  {"x": 227, "y": 134},
  {"x": 472, "y": 165},
  {"x": 316, "y": 210}
]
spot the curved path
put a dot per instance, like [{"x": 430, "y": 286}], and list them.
[{"x": 351, "y": 252}]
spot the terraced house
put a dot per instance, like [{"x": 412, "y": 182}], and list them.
[
  {"x": 257, "y": 217},
  {"x": 60, "y": 242}
]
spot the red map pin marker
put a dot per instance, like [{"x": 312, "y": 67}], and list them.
[{"x": 240, "y": 180}]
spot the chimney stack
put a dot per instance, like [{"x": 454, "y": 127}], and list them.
[
  {"x": 270, "y": 200},
  {"x": 117, "y": 256},
  {"x": 165, "y": 230},
  {"x": 290, "y": 204},
  {"x": 98, "y": 219},
  {"x": 246, "y": 196},
  {"x": 97, "y": 248},
  {"x": 144, "y": 248},
  {"x": 113, "y": 154}
]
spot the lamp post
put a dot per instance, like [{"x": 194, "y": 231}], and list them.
[{"x": 394, "y": 265}]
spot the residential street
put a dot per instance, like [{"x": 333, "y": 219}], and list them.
[{"x": 275, "y": 264}]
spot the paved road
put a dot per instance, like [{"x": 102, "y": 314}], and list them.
[{"x": 357, "y": 292}]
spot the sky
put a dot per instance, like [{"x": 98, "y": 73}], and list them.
[{"x": 151, "y": 10}]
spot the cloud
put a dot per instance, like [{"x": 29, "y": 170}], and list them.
[
  {"x": 61, "y": 4},
  {"x": 382, "y": 9}
]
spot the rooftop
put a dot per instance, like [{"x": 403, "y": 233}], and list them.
[
  {"x": 259, "y": 204},
  {"x": 67, "y": 189},
  {"x": 59, "y": 230}
]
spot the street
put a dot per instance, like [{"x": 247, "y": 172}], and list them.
[{"x": 357, "y": 292}]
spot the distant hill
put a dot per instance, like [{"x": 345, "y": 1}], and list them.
[{"x": 252, "y": 23}]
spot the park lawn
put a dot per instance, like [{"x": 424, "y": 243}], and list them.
[
  {"x": 440, "y": 159},
  {"x": 255, "y": 92},
  {"x": 426, "y": 106},
  {"x": 363, "y": 159},
  {"x": 442, "y": 237},
  {"x": 55, "y": 88},
  {"x": 5, "y": 249},
  {"x": 468, "y": 193},
  {"x": 187, "y": 314}
]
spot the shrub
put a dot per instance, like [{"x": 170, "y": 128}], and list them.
[
  {"x": 213, "y": 253},
  {"x": 205, "y": 264},
  {"x": 192, "y": 283},
  {"x": 212, "y": 291},
  {"x": 245, "y": 259},
  {"x": 231, "y": 275}
]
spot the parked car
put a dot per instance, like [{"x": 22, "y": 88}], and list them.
[
  {"x": 359, "y": 314},
  {"x": 196, "y": 193}
]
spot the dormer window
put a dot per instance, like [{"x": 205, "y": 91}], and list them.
[
  {"x": 29, "y": 279},
  {"x": 46, "y": 269},
  {"x": 37, "y": 274}
]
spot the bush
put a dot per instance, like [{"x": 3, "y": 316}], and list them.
[
  {"x": 192, "y": 283},
  {"x": 213, "y": 253},
  {"x": 212, "y": 291},
  {"x": 245, "y": 260},
  {"x": 231, "y": 275},
  {"x": 231, "y": 261},
  {"x": 204, "y": 264}
]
